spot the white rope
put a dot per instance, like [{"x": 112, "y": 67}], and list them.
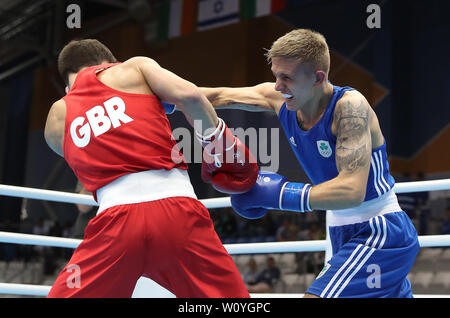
[
  {"x": 75, "y": 198},
  {"x": 434, "y": 240},
  {"x": 276, "y": 247},
  {"x": 43, "y": 290},
  {"x": 420, "y": 186},
  {"x": 24, "y": 289},
  {"x": 244, "y": 248},
  {"x": 48, "y": 195},
  {"x": 214, "y": 203},
  {"x": 241, "y": 248},
  {"x": 32, "y": 239},
  {"x": 69, "y": 197}
]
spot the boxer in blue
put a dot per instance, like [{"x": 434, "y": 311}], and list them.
[{"x": 337, "y": 139}]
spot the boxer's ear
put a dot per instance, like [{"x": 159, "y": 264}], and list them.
[{"x": 67, "y": 89}]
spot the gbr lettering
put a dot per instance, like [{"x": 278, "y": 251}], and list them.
[{"x": 99, "y": 121}]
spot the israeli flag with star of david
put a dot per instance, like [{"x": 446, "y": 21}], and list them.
[{"x": 215, "y": 13}]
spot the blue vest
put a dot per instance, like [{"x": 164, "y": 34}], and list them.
[{"x": 315, "y": 149}]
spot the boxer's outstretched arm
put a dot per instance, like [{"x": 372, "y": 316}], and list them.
[
  {"x": 173, "y": 89},
  {"x": 259, "y": 98},
  {"x": 353, "y": 153}
]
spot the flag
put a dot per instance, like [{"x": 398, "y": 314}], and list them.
[
  {"x": 259, "y": 8},
  {"x": 175, "y": 18},
  {"x": 215, "y": 13},
  {"x": 182, "y": 17}
]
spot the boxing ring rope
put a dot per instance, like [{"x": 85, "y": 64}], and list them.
[
  {"x": 69, "y": 197},
  {"x": 241, "y": 248},
  {"x": 238, "y": 248}
]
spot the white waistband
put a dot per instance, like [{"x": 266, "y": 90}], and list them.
[
  {"x": 145, "y": 186},
  {"x": 387, "y": 203}
]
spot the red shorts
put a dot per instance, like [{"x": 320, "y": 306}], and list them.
[{"x": 171, "y": 241}]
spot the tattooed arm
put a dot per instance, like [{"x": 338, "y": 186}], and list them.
[{"x": 351, "y": 126}]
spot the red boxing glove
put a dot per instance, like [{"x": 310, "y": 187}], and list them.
[{"x": 227, "y": 163}]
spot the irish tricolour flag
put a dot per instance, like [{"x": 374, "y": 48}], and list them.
[
  {"x": 175, "y": 18},
  {"x": 181, "y": 17},
  {"x": 259, "y": 8}
]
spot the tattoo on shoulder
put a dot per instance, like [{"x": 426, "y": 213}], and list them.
[{"x": 353, "y": 147}]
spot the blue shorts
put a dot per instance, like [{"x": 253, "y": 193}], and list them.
[{"x": 370, "y": 259}]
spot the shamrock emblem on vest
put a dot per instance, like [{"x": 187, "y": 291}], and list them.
[{"x": 324, "y": 148}]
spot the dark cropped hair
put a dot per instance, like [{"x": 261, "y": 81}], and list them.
[{"x": 82, "y": 53}]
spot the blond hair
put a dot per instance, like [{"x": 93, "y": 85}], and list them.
[{"x": 306, "y": 45}]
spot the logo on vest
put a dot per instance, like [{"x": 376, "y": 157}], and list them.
[
  {"x": 324, "y": 148},
  {"x": 292, "y": 140},
  {"x": 99, "y": 121}
]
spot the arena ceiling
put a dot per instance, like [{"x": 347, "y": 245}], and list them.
[{"x": 31, "y": 31}]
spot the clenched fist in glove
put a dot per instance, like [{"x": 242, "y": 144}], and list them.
[
  {"x": 272, "y": 192},
  {"x": 227, "y": 163}
]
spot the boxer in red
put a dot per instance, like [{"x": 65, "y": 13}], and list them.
[{"x": 112, "y": 130}]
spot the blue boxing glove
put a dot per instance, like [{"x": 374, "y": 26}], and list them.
[
  {"x": 271, "y": 192},
  {"x": 169, "y": 108}
]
